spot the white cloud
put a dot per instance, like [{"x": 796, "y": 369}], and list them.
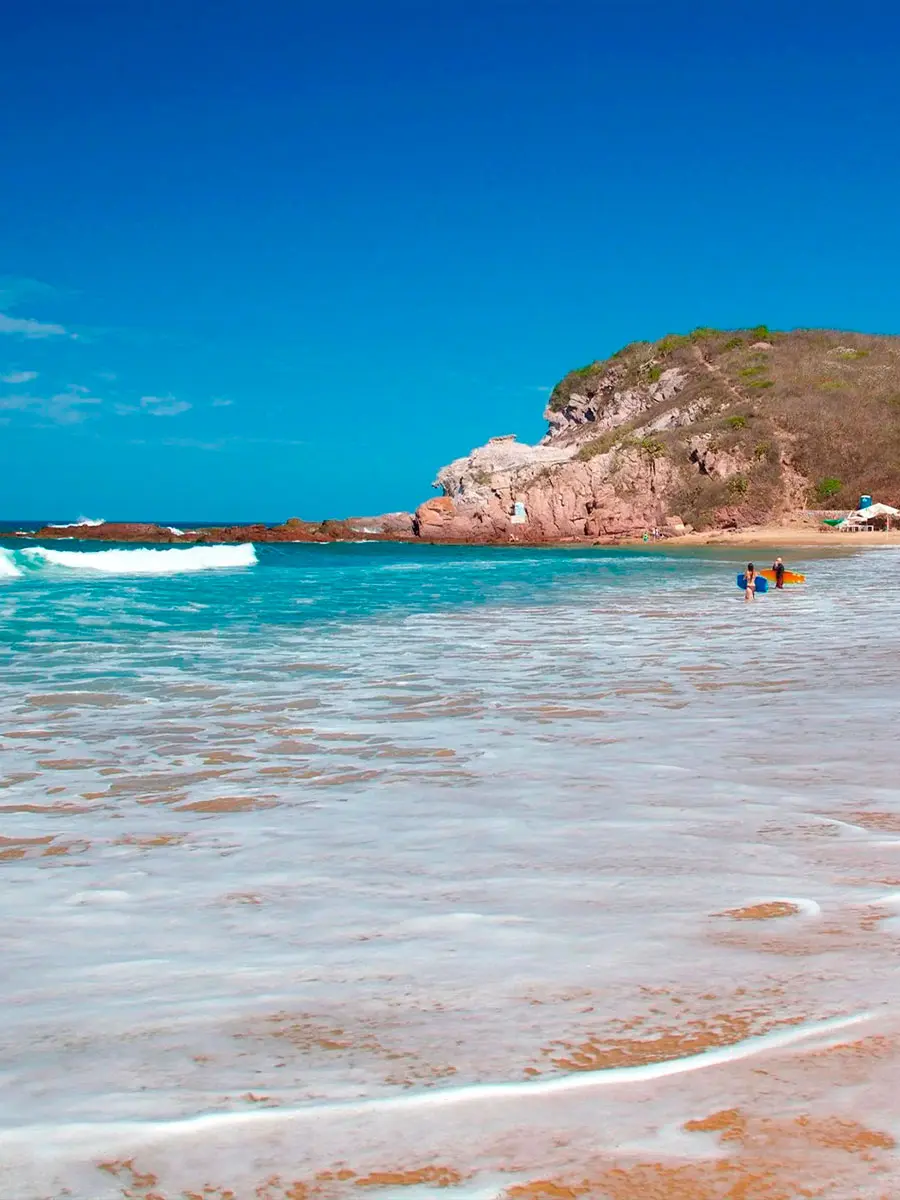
[
  {"x": 220, "y": 402},
  {"x": 164, "y": 406},
  {"x": 266, "y": 441},
  {"x": 63, "y": 408},
  {"x": 26, "y": 327},
  {"x": 19, "y": 377},
  {"x": 193, "y": 444},
  {"x": 228, "y": 443}
]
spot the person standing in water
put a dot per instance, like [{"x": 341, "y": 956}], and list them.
[
  {"x": 750, "y": 582},
  {"x": 778, "y": 568}
]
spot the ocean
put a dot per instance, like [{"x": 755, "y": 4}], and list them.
[{"x": 402, "y": 871}]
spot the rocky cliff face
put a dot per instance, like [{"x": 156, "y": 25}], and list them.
[
  {"x": 710, "y": 429},
  {"x": 559, "y": 496},
  {"x": 599, "y": 471}
]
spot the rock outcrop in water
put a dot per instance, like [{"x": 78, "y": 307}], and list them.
[
  {"x": 713, "y": 429},
  {"x": 388, "y": 527}
]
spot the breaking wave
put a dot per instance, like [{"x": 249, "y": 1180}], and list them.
[
  {"x": 79, "y": 522},
  {"x": 8, "y": 568},
  {"x": 141, "y": 562}
]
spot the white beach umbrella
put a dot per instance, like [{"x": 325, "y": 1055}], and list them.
[
  {"x": 862, "y": 515},
  {"x": 876, "y": 510}
]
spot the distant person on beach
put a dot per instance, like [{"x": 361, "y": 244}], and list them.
[
  {"x": 750, "y": 582},
  {"x": 778, "y": 568}
]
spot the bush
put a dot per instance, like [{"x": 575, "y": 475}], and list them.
[
  {"x": 737, "y": 422},
  {"x": 749, "y": 372},
  {"x": 738, "y": 486},
  {"x": 827, "y": 489},
  {"x": 733, "y": 343},
  {"x": 761, "y": 383},
  {"x": 652, "y": 447},
  {"x": 702, "y": 332},
  {"x": 598, "y": 445},
  {"x": 654, "y": 372},
  {"x": 760, "y": 333},
  {"x": 670, "y": 342}
]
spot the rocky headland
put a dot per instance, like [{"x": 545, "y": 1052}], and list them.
[{"x": 709, "y": 430}]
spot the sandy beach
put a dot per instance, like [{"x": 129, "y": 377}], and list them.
[{"x": 782, "y": 536}]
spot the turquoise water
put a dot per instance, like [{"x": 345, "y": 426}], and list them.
[
  {"x": 306, "y": 848},
  {"x": 311, "y": 585}
]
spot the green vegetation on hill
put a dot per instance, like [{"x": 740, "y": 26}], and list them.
[{"x": 810, "y": 415}]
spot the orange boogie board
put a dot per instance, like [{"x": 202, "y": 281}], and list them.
[{"x": 789, "y": 576}]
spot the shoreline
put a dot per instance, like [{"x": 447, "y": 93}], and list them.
[
  {"x": 790, "y": 535},
  {"x": 762, "y": 537}
]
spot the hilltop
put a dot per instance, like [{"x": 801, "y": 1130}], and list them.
[{"x": 713, "y": 429}]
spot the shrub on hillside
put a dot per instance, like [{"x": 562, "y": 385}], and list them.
[
  {"x": 652, "y": 447},
  {"x": 559, "y": 397},
  {"x": 827, "y": 489}
]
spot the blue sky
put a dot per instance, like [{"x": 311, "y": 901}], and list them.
[{"x": 270, "y": 259}]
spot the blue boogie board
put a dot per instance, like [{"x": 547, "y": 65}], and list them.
[{"x": 762, "y": 584}]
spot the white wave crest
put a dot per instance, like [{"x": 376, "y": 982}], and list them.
[
  {"x": 146, "y": 562},
  {"x": 80, "y": 521},
  {"x": 8, "y": 568}
]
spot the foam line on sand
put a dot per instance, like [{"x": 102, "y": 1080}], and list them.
[{"x": 99, "y": 1136}]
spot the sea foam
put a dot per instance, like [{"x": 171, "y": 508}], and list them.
[{"x": 146, "y": 562}]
